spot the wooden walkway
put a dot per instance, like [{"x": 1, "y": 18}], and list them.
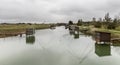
[{"x": 115, "y": 39}]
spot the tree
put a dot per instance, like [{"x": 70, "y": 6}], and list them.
[
  {"x": 107, "y": 17},
  {"x": 115, "y": 21},
  {"x": 107, "y": 22},
  {"x": 111, "y": 25},
  {"x": 70, "y": 22},
  {"x": 100, "y": 19},
  {"x": 79, "y": 22},
  {"x": 93, "y": 20}
]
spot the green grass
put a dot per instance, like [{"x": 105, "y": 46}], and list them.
[
  {"x": 107, "y": 30},
  {"x": 118, "y": 28},
  {"x": 18, "y": 28},
  {"x": 23, "y": 26},
  {"x": 114, "y": 32}
]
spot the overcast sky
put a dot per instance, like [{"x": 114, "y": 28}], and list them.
[{"x": 56, "y": 10}]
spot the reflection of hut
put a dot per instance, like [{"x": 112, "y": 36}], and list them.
[
  {"x": 103, "y": 37},
  {"x": 102, "y": 50},
  {"x": 76, "y": 36},
  {"x": 30, "y": 39},
  {"x": 30, "y": 31},
  {"x": 71, "y": 32}
]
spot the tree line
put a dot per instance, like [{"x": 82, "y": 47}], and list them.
[{"x": 107, "y": 22}]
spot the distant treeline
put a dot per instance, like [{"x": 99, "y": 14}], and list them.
[{"x": 106, "y": 22}]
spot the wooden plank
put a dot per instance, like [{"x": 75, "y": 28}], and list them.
[{"x": 115, "y": 39}]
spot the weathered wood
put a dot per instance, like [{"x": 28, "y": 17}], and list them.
[
  {"x": 115, "y": 39},
  {"x": 30, "y": 31},
  {"x": 102, "y": 36},
  {"x": 74, "y": 28}
]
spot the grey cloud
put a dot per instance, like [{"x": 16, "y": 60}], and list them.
[{"x": 56, "y": 10}]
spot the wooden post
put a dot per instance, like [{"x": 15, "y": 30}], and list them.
[{"x": 20, "y": 35}]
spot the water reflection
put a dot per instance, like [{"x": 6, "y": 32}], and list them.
[
  {"x": 71, "y": 32},
  {"x": 115, "y": 44},
  {"x": 102, "y": 49},
  {"x": 56, "y": 47},
  {"x": 30, "y": 39},
  {"x": 36, "y": 57},
  {"x": 75, "y": 33},
  {"x": 76, "y": 36}
]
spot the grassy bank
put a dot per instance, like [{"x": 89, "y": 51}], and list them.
[
  {"x": 14, "y": 28},
  {"x": 115, "y": 33},
  {"x": 23, "y": 26}
]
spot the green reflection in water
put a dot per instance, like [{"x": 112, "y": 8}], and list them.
[
  {"x": 75, "y": 33},
  {"x": 71, "y": 32},
  {"x": 115, "y": 44},
  {"x": 76, "y": 36},
  {"x": 30, "y": 39},
  {"x": 102, "y": 50}
]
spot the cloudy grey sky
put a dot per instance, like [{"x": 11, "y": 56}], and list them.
[{"x": 56, "y": 10}]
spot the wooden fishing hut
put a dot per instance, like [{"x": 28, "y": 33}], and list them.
[
  {"x": 30, "y": 31},
  {"x": 102, "y": 36}
]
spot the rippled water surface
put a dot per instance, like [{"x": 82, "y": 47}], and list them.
[{"x": 56, "y": 47}]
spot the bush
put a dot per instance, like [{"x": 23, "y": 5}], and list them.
[
  {"x": 111, "y": 26},
  {"x": 97, "y": 25}
]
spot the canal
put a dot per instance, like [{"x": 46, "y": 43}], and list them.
[{"x": 56, "y": 47}]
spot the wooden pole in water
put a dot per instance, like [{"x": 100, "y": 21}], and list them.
[{"x": 20, "y": 35}]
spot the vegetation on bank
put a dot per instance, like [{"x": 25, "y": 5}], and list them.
[
  {"x": 7, "y": 30},
  {"x": 107, "y": 24},
  {"x": 23, "y": 26}
]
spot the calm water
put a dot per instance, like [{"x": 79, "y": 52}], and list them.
[{"x": 56, "y": 47}]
